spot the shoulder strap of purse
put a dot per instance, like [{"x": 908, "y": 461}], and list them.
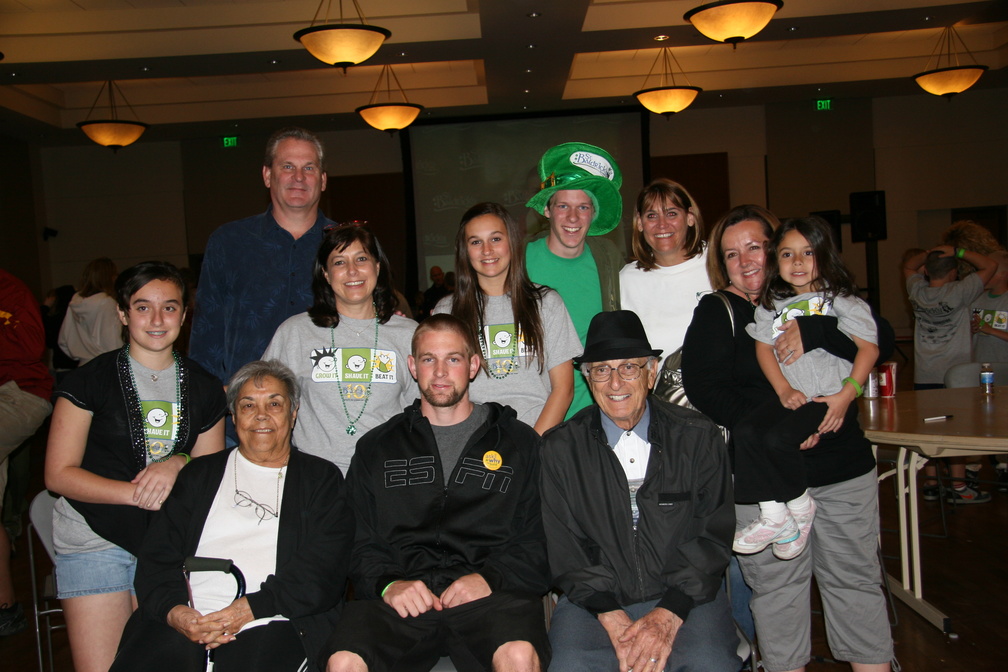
[{"x": 727, "y": 305}]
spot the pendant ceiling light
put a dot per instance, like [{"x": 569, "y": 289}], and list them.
[
  {"x": 948, "y": 77},
  {"x": 341, "y": 44},
  {"x": 732, "y": 21},
  {"x": 113, "y": 132},
  {"x": 389, "y": 116},
  {"x": 671, "y": 98}
]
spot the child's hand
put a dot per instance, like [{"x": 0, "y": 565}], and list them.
[
  {"x": 975, "y": 324},
  {"x": 837, "y": 404},
  {"x": 792, "y": 398}
]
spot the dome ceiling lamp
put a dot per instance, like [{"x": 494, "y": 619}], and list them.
[
  {"x": 732, "y": 21},
  {"x": 948, "y": 77},
  {"x": 389, "y": 116},
  {"x": 113, "y": 132},
  {"x": 341, "y": 44},
  {"x": 667, "y": 99}
]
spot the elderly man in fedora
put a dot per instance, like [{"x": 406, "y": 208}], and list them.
[
  {"x": 579, "y": 195},
  {"x": 637, "y": 507}
]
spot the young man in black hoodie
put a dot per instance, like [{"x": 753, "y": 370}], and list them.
[{"x": 450, "y": 555}]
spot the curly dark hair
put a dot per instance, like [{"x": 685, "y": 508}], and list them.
[
  {"x": 835, "y": 279},
  {"x": 323, "y": 312}
]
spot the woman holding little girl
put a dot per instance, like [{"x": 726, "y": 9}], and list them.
[{"x": 764, "y": 270}]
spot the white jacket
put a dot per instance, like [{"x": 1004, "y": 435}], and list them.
[{"x": 91, "y": 327}]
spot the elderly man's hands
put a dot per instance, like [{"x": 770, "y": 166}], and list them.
[{"x": 643, "y": 645}]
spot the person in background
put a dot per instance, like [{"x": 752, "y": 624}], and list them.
[
  {"x": 25, "y": 389},
  {"x": 91, "y": 326},
  {"x": 279, "y": 514},
  {"x": 435, "y": 292},
  {"x": 349, "y": 350},
  {"x": 124, "y": 426},
  {"x": 579, "y": 195},
  {"x": 989, "y": 326},
  {"x": 637, "y": 507},
  {"x": 526, "y": 337},
  {"x": 668, "y": 275},
  {"x": 723, "y": 379},
  {"x": 941, "y": 304},
  {"x": 54, "y": 309},
  {"x": 449, "y": 557},
  {"x": 257, "y": 271}
]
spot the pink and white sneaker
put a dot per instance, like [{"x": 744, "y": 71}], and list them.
[
  {"x": 760, "y": 533},
  {"x": 792, "y": 549}
]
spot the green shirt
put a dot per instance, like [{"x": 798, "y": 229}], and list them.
[{"x": 577, "y": 282}]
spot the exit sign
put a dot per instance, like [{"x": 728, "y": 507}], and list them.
[
  {"x": 229, "y": 142},
  {"x": 824, "y": 105}
]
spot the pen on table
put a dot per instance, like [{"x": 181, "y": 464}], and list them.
[{"x": 939, "y": 418}]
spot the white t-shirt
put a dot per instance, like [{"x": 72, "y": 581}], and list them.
[
  {"x": 664, "y": 299},
  {"x": 245, "y": 532}
]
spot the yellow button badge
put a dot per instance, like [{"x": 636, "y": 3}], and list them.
[{"x": 492, "y": 460}]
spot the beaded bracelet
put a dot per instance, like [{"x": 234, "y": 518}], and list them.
[{"x": 857, "y": 385}]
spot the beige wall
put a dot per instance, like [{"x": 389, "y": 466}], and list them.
[{"x": 163, "y": 199}]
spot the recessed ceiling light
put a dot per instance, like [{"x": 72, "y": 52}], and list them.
[
  {"x": 661, "y": 38},
  {"x": 402, "y": 53},
  {"x": 927, "y": 18},
  {"x": 533, "y": 15},
  {"x": 528, "y": 69},
  {"x": 145, "y": 69},
  {"x": 793, "y": 29},
  {"x": 275, "y": 61},
  {"x": 531, "y": 46},
  {"x": 526, "y": 90}
]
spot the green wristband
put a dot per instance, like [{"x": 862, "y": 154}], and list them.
[
  {"x": 385, "y": 590},
  {"x": 857, "y": 385},
  {"x": 960, "y": 252},
  {"x": 186, "y": 456}
]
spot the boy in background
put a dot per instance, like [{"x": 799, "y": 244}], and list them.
[{"x": 941, "y": 305}]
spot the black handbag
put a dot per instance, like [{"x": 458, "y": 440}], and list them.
[{"x": 669, "y": 385}]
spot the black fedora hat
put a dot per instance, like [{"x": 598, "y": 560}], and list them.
[{"x": 618, "y": 334}]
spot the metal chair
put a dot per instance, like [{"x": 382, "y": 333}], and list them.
[{"x": 45, "y": 606}]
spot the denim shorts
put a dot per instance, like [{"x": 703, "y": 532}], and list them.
[{"x": 107, "y": 571}]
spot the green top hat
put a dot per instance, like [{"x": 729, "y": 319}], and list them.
[{"x": 578, "y": 165}]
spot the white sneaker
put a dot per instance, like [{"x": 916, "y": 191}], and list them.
[
  {"x": 787, "y": 550},
  {"x": 760, "y": 533}
]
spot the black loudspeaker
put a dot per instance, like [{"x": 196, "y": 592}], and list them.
[
  {"x": 868, "y": 217},
  {"x": 833, "y": 218}
]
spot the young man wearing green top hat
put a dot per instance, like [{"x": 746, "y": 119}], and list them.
[{"x": 580, "y": 197}]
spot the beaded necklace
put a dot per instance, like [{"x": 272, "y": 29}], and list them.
[
  {"x": 141, "y": 438},
  {"x": 512, "y": 364},
  {"x": 352, "y": 426}
]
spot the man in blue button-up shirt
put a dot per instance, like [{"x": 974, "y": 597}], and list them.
[{"x": 257, "y": 272}]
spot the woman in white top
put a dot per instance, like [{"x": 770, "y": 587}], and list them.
[
  {"x": 91, "y": 326},
  {"x": 524, "y": 331},
  {"x": 669, "y": 274}
]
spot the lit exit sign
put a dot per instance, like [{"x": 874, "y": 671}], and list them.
[
  {"x": 824, "y": 105},
  {"x": 229, "y": 142}
]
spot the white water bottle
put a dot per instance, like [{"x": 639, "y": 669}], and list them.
[{"x": 987, "y": 378}]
